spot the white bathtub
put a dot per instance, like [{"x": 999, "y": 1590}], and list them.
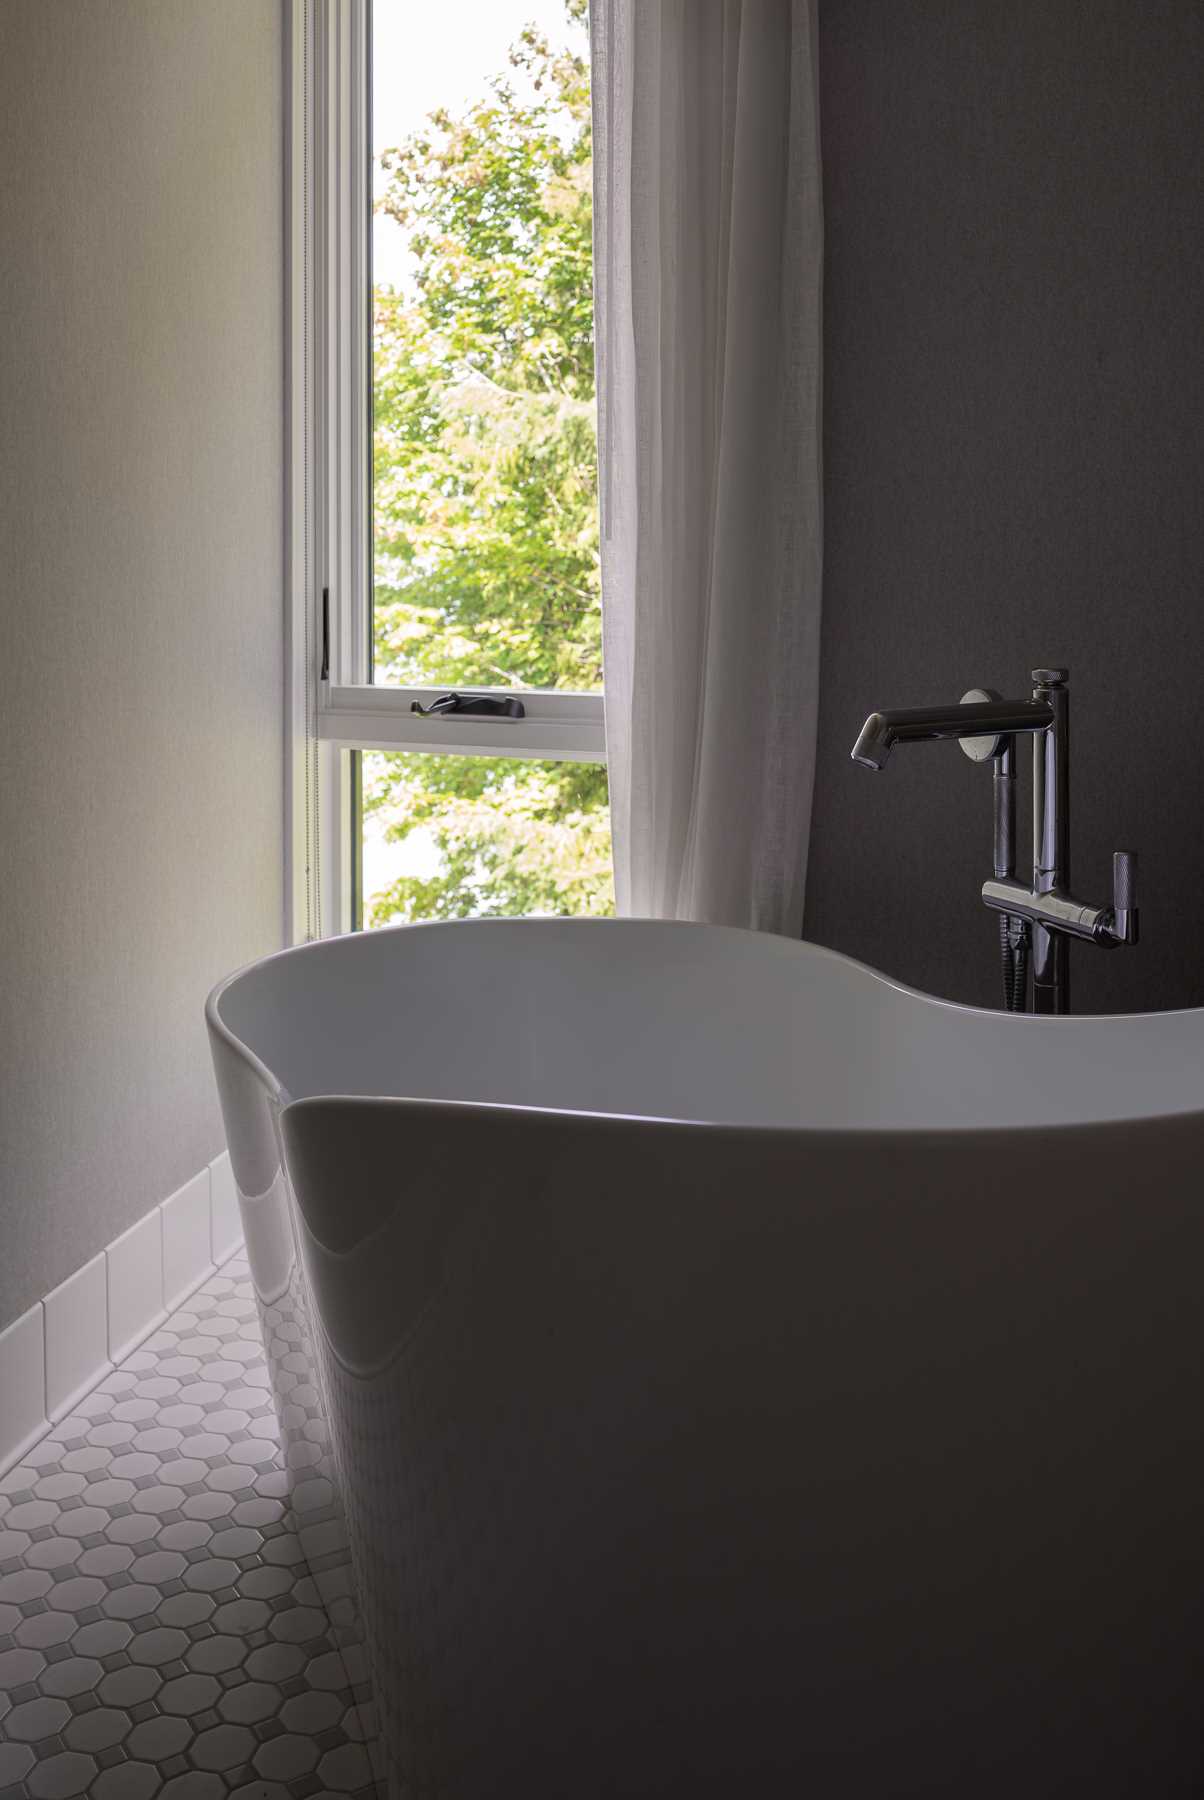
[{"x": 743, "y": 1375}]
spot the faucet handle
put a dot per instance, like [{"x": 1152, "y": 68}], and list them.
[{"x": 1124, "y": 895}]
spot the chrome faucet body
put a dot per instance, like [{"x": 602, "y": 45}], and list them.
[{"x": 1048, "y": 912}]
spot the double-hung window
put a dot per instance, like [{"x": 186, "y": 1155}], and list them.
[{"x": 442, "y": 497}]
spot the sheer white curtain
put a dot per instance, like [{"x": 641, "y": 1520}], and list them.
[{"x": 708, "y": 266}]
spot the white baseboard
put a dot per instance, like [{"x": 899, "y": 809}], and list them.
[{"x": 56, "y": 1352}]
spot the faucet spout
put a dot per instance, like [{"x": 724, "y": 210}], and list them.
[{"x": 921, "y": 724}]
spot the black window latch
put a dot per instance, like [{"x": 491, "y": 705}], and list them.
[{"x": 479, "y": 706}]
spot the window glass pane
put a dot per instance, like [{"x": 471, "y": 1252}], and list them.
[
  {"x": 484, "y": 447},
  {"x": 456, "y": 837}
]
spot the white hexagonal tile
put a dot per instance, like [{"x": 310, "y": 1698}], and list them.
[
  {"x": 30, "y": 1515},
  {"x": 111, "y": 1433},
  {"x": 181, "y": 1417},
  {"x": 62, "y": 1486},
  {"x": 81, "y": 1521},
  {"x": 87, "y": 1460},
  {"x": 133, "y": 1464},
  {"x": 108, "y": 1492},
  {"x": 158, "y": 1439},
  {"x": 158, "y": 1500},
  {"x": 208, "y": 1505}
]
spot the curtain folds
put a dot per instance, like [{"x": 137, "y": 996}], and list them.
[{"x": 708, "y": 287}]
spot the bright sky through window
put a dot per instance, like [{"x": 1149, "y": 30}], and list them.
[{"x": 429, "y": 55}]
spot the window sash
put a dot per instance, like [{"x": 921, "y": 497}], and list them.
[{"x": 331, "y": 705}]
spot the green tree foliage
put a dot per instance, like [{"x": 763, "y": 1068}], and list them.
[{"x": 485, "y": 480}]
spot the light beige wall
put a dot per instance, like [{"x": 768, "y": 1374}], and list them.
[{"x": 140, "y": 593}]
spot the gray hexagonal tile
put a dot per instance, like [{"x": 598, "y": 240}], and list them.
[
  {"x": 275, "y": 1662},
  {"x": 29, "y": 1515},
  {"x": 158, "y": 1566},
  {"x": 132, "y": 1528},
  {"x": 60, "y": 1776},
  {"x": 254, "y": 1701},
  {"x": 213, "y": 1655},
  {"x": 308, "y": 1713},
  {"x": 154, "y": 1740},
  {"x": 196, "y": 1785},
  {"x": 97, "y": 1730},
  {"x": 346, "y": 1768},
  {"x": 74, "y": 1675},
  {"x": 160, "y": 1645},
  {"x": 132, "y": 1602},
  {"x": 103, "y": 1637},
  {"x": 74, "y": 1595},
  {"x": 20, "y": 1666},
  {"x": 82, "y": 1521},
  {"x": 188, "y": 1694},
  {"x": 105, "y": 1559},
  {"x": 207, "y": 1576},
  {"x": 33, "y": 1720},
  {"x": 44, "y": 1629},
  {"x": 129, "y": 1686},
  {"x": 185, "y": 1534},
  {"x": 286, "y": 1757},
  {"x": 15, "y": 1762},
  {"x": 266, "y": 1582},
  {"x": 223, "y": 1747},
  {"x": 127, "y": 1781},
  {"x": 52, "y": 1553},
  {"x": 298, "y": 1625},
  {"x": 241, "y": 1617},
  {"x": 185, "y": 1609}
]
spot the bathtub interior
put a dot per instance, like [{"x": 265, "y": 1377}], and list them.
[{"x": 663, "y": 1020}]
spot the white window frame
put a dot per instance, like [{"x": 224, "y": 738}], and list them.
[{"x": 331, "y": 706}]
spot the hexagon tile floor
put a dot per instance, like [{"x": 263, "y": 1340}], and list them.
[{"x": 162, "y": 1636}]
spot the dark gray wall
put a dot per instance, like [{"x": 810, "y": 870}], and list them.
[
  {"x": 140, "y": 594},
  {"x": 1014, "y": 444}
]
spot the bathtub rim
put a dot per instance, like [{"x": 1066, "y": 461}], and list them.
[{"x": 281, "y": 1095}]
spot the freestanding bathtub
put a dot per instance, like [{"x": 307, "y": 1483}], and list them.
[{"x": 742, "y": 1375}]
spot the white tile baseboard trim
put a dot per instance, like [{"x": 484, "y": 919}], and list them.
[{"x": 53, "y": 1354}]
